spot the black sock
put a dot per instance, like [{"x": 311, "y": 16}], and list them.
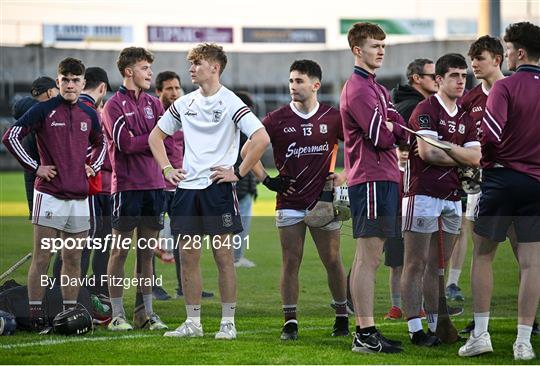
[
  {"x": 68, "y": 304},
  {"x": 36, "y": 310},
  {"x": 366, "y": 332},
  {"x": 289, "y": 312}
]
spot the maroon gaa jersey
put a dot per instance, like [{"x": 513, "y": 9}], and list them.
[
  {"x": 63, "y": 132},
  {"x": 127, "y": 123},
  {"x": 431, "y": 118},
  {"x": 106, "y": 168},
  {"x": 474, "y": 103},
  {"x": 369, "y": 145},
  {"x": 511, "y": 124},
  {"x": 303, "y": 145},
  {"x": 174, "y": 145}
]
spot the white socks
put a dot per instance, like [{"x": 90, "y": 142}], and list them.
[
  {"x": 453, "y": 277},
  {"x": 414, "y": 325},
  {"x": 117, "y": 304},
  {"x": 147, "y": 300},
  {"x": 524, "y": 334},
  {"x": 481, "y": 321},
  {"x": 432, "y": 321},
  {"x": 194, "y": 313},
  {"x": 227, "y": 312}
]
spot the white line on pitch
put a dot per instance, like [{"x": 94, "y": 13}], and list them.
[{"x": 52, "y": 342}]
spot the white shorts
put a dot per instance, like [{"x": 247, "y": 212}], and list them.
[
  {"x": 289, "y": 217},
  {"x": 71, "y": 216},
  {"x": 421, "y": 213},
  {"x": 472, "y": 206}
]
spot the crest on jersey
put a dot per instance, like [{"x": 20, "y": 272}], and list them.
[
  {"x": 227, "y": 220},
  {"x": 48, "y": 214},
  {"x": 424, "y": 121},
  {"x": 84, "y": 126},
  {"x": 217, "y": 115},
  {"x": 461, "y": 129},
  {"x": 323, "y": 128},
  {"x": 148, "y": 112}
]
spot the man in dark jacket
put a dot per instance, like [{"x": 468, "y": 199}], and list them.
[
  {"x": 42, "y": 89},
  {"x": 422, "y": 84},
  {"x": 246, "y": 191}
]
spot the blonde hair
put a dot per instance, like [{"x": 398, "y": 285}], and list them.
[{"x": 210, "y": 52}]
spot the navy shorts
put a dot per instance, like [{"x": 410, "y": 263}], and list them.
[
  {"x": 100, "y": 215},
  {"x": 167, "y": 203},
  {"x": 210, "y": 211},
  {"x": 374, "y": 209},
  {"x": 133, "y": 208},
  {"x": 394, "y": 251},
  {"x": 508, "y": 196}
]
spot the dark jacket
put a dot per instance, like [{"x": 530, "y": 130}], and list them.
[
  {"x": 248, "y": 184},
  {"x": 30, "y": 145},
  {"x": 405, "y": 99}
]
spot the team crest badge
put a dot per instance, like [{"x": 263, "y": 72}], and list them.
[
  {"x": 420, "y": 222},
  {"x": 84, "y": 126},
  {"x": 461, "y": 129},
  {"x": 48, "y": 214},
  {"x": 323, "y": 128},
  {"x": 217, "y": 115},
  {"x": 227, "y": 220},
  {"x": 148, "y": 112},
  {"x": 424, "y": 121}
]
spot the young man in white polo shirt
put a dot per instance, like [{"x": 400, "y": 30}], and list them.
[{"x": 205, "y": 202}]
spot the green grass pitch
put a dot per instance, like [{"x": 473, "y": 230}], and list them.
[{"x": 258, "y": 317}]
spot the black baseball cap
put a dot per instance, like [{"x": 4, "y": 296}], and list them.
[
  {"x": 41, "y": 85},
  {"x": 97, "y": 74}
]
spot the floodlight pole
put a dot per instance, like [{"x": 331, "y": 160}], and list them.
[{"x": 489, "y": 21}]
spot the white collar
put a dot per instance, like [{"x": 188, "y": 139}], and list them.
[
  {"x": 304, "y": 115},
  {"x": 486, "y": 91},
  {"x": 451, "y": 114}
]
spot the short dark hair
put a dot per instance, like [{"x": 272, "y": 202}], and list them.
[
  {"x": 404, "y": 146},
  {"x": 359, "y": 32},
  {"x": 72, "y": 66},
  {"x": 308, "y": 67},
  {"x": 525, "y": 35},
  {"x": 417, "y": 67},
  {"x": 486, "y": 43},
  {"x": 450, "y": 60},
  {"x": 42, "y": 85},
  {"x": 164, "y": 76},
  {"x": 129, "y": 56},
  {"x": 94, "y": 77}
]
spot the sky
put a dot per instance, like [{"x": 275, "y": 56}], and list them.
[{"x": 21, "y": 21}]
